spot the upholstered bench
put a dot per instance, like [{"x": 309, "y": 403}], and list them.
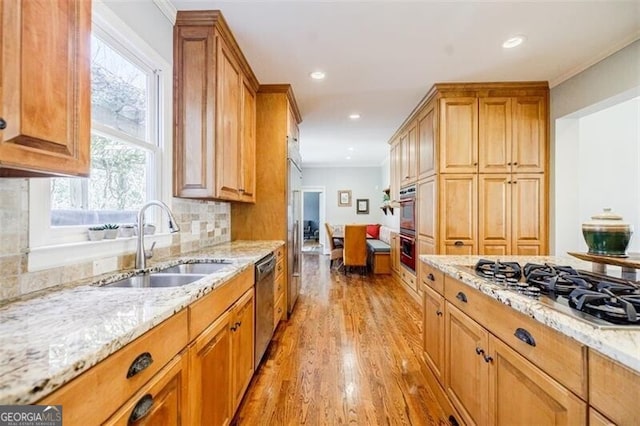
[{"x": 378, "y": 256}]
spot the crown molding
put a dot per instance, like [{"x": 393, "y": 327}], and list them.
[{"x": 168, "y": 9}]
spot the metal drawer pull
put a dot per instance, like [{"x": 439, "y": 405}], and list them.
[
  {"x": 487, "y": 358},
  {"x": 479, "y": 351},
  {"x": 453, "y": 421},
  {"x": 3, "y": 124},
  {"x": 431, "y": 277},
  {"x": 141, "y": 409},
  {"x": 439, "y": 313},
  {"x": 525, "y": 336},
  {"x": 461, "y": 297},
  {"x": 139, "y": 364},
  {"x": 458, "y": 244}
]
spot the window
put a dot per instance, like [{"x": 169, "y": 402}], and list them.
[{"x": 124, "y": 142}]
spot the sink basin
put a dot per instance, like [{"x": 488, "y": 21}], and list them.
[
  {"x": 157, "y": 280},
  {"x": 193, "y": 268}
]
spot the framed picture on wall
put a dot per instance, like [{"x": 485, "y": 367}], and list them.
[
  {"x": 344, "y": 198},
  {"x": 362, "y": 206}
]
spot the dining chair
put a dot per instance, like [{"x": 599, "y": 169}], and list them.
[
  {"x": 355, "y": 247},
  {"x": 336, "y": 252}
]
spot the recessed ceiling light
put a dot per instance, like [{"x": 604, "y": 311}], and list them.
[
  {"x": 318, "y": 75},
  {"x": 351, "y": 148},
  {"x": 354, "y": 116},
  {"x": 348, "y": 157},
  {"x": 512, "y": 42}
]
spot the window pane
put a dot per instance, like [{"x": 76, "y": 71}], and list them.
[
  {"x": 118, "y": 91},
  {"x": 116, "y": 190}
]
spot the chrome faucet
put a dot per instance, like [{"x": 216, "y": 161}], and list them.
[{"x": 141, "y": 254}]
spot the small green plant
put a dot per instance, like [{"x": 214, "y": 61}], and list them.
[
  {"x": 111, "y": 226},
  {"x": 96, "y": 228}
]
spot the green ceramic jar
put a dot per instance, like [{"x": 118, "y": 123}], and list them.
[{"x": 606, "y": 234}]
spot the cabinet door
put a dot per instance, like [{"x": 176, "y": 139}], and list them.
[
  {"x": 194, "y": 112},
  {"x": 395, "y": 252},
  {"x": 494, "y": 135},
  {"x": 247, "y": 163},
  {"x": 520, "y": 393},
  {"x": 433, "y": 331},
  {"x": 242, "y": 346},
  {"x": 458, "y": 213},
  {"x": 45, "y": 91},
  {"x": 458, "y": 127},
  {"x": 229, "y": 83},
  {"x": 597, "y": 419},
  {"x": 466, "y": 372},
  {"x": 528, "y": 214},
  {"x": 494, "y": 214},
  {"x": 210, "y": 372},
  {"x": 162, "y": 401},
  {"x": 427, "y": 208},
  {"x": 529, "y": 152},
  {"x": 426, "y": 143},
  {"x": 395, "y": 174}
]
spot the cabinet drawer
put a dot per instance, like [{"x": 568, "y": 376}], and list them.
[
  {"x": 99, "y": 392},
  {"x": 559, "y": 356},
  {"x": 280, "y": 266},
  {"x": 278, "y": 311},
  {"x": 279, "y": 252},
  {"x": 278, "y": 286},
  {"x": 432, "y": 278},
  {"x": 614, "y": 389},
  {"x": 204, "y": 311},
  {"x": 168, "y": 396},
  {"x": 408, "y": 278}
]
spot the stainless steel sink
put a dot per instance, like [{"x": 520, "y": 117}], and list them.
[
  {"x": 157, "y": 280},
  {"x": 193, "y": 268}
]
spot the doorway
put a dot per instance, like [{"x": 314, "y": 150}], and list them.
[{"x": 313, "y": 218}]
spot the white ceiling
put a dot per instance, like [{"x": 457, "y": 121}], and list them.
[{"x": 381, "y": 57}]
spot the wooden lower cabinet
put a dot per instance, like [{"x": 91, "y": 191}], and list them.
[
  {"x": 490, "y": 383},
  {"x": 597, "y": 419},
  {"x": 466, "y": 372},
  {"x": 161, "y": 402},
  {"x": 209, "y": 370},
  {"x": 433, "y": 331},
  {"x": 242, "y": 341},
  {"x": 521, "y": 394}
]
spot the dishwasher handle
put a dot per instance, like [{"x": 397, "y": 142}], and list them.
[{"x": 265, "y": 266}]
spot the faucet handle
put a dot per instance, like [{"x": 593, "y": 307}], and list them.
[{"x": 148, "y": 254}]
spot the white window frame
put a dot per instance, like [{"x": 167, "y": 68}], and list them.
[{"x": 55, "y": 246}]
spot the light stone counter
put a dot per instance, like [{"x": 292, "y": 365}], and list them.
[
  {"x": 621, "y": 343},
  {"x": 47, "y": 341}
]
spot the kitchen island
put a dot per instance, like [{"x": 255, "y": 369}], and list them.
[
  {"x": 499, "y": 356},
  {"x": 49, "y": 340}
]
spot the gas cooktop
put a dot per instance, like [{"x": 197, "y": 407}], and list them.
[{"x": 600, "y": 300}]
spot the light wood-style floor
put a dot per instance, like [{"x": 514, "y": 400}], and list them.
[{"x": 350, "y": 354}]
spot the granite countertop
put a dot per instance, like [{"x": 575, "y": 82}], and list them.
[
  {"x": 619, "y": 343},
  {"x": 49, "y": 340}
]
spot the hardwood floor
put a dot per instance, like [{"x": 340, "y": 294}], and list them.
[{"x": 350, "y": 354}]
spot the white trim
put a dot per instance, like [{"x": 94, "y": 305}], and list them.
[
  {"x": 168, "y": 9},
  {"x": 69, "y": 254},
  {"x": 594, "y": 60}
]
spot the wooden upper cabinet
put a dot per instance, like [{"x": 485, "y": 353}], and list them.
[
  {"x": 214, "y": 111},
  {"x": 395, "y": 159},
  {"x": 408, "y": 152},
  {"x": 529, "y": 152},
  {"x": 248, "y": 145},
  {"x": 426, "y": 143},
  {"x": 512, "y": 135},
  {"x": 494, "y": 135},
  {"x": 458, "y": 213},
  {"x": 458, "y": 135},
  {"x": 45, "y": 88},
  {"x": 427, "y": 208}
]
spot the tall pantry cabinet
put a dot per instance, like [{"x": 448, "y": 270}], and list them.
[
  {"x": 277, "y": 119},
  {"x": 481, "y": 155}
]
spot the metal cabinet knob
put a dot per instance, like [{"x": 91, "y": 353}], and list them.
[{"x": 3, "y": 124}]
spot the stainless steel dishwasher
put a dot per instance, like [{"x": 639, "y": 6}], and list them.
[{"x": 265, "y": 275}]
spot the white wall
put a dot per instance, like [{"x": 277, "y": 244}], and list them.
[
  {"x": 364, "y": 182},
  {"x": 612, "y": 80},
  {"x": 605, "y": 169}
]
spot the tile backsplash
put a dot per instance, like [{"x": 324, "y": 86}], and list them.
[{"x": 212, "y": 218}]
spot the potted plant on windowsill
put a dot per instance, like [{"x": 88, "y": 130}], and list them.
[
  {"x": 96, "y": 233},
  {"x": 126, "y": 231},
  {"x": 111, "y": 231}
]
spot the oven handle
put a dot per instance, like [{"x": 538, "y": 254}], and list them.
[{"x": 413, "y": 240}]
